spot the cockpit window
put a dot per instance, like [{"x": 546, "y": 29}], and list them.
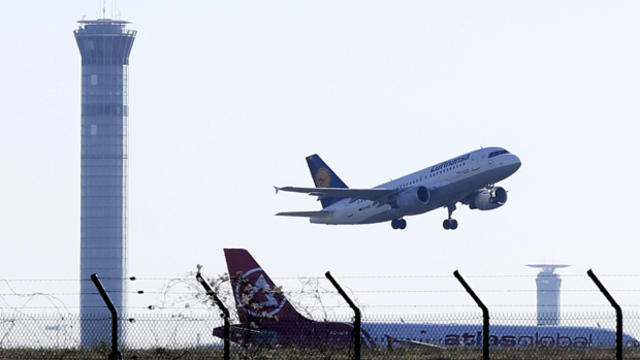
[{"x": 496, "y": 153}]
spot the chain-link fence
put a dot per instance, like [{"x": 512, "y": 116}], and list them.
[
  {"x": 457, "y": 336},
  {"x": 173, "y": 318}
]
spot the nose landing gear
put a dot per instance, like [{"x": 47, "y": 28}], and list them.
[
  {"x": 398, "y": 224},
  {"x": 449, "y": 223}
]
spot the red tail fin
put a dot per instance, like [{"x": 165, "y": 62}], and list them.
[{"x": 256, "y": 296}]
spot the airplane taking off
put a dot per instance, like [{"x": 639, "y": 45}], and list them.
[
  {"x": 268, "y": 318},
  {"x": 468, "y": 179}
]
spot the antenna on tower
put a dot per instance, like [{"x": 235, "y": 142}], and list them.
[{"x": 104, "y": 9}]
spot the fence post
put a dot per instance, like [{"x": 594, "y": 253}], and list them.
[
  {"x": 485, "y": 315},
  {"x": 115, "y": 354},
  {"x": 603, "y": 290},
  {"x": 225, "y": 314},
  {"x": 356, "y": 322}
]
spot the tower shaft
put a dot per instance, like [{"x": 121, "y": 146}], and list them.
[{"x": 548, "y": 285}]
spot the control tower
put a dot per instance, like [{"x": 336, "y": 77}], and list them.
[
  {"x": 104, "y": 45},
  {"x": 548, "y": 284}
]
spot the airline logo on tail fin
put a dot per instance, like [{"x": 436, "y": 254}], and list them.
[
  {"x": 256, "y": 295},
  {"x": 322, "y": 178}
]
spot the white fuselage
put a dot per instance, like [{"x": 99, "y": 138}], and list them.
[{"x": 452, "y": 181}]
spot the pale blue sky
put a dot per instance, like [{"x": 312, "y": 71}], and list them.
[{"x": 227, "y": 98}]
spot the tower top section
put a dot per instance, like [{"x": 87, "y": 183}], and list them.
[
  {"x": 547, "y": 268},
  {"x": 104, "y": 41},
  {"x": 104, "y": 26}
]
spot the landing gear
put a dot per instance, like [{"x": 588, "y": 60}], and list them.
[
  {"x": 449, "y": 223},
  {"x": 399, "y": 224}
]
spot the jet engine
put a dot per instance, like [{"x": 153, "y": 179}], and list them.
[
  {"x": 488, "y": 199},
  {"x": 413, "y": 197}
]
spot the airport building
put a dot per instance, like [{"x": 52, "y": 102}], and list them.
[
  {"x": 548, "y": 294},
  {"x": 104, "y": 45}
]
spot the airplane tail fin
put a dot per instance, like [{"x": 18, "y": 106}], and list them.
[
  {"x": 324, "y": 177},
  {"x": 257, "y": 298}
]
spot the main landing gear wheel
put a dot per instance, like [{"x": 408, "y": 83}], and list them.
[
  {"x": 399, "y": 224},
  {"x": 449, "y": 223}
]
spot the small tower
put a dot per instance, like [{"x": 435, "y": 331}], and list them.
[{"x": 548, "y": 284}]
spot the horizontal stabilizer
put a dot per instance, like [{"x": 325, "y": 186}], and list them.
[
  {"x": 412, "y": 343},
  {"x": 305, "y": 213}
]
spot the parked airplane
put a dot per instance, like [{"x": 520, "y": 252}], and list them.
[
  {"x": 267, "y": 318},
  {"x": 468, "y": 179}
]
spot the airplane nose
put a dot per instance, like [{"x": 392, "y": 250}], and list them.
[{"x": 516, "y": 162}]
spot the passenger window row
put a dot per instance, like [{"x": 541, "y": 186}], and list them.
[{"x": 436, "y": 173}]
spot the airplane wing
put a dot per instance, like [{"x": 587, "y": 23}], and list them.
[
  {"x": 412, "y": 343},
  {"x": 305, "y": 213},
  {"x": 379, "y": 195}
]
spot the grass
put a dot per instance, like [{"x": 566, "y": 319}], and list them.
[{"x": 255, "y": 353}]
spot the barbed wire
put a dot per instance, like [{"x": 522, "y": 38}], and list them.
[
  {"x": 307, "y": 292},
  {"x": 449, "y": 276},
  {"x": 173, "y": 295},
  {"x": 317, "y": 277}
]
